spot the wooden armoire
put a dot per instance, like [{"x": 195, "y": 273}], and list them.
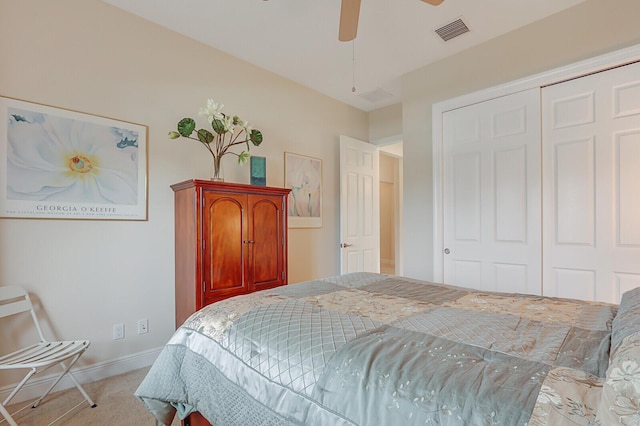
[{"x": 230, "y": 239}]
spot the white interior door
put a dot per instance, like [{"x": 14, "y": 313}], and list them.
[
  {"x": 591, "y": 178},
  {"x": 491, "y": 194},
  {"x": 359, "y": 207}
]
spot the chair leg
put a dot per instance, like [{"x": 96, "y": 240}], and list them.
[
  {"x": 82, "y": 391},
  {"x": 7, "y": 416},
  {"x": 66, "y": 370},
  {"x": 18, "y": 387}
]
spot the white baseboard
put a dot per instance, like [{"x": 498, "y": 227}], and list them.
[{"x": 39, "y": 385}]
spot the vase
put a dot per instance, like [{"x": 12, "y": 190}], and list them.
[{"x": 216, "y": 169}]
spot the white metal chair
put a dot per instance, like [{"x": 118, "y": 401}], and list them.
[{"x": 37, "y": 357}]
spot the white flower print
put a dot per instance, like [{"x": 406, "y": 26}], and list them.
[
  {"x": 59, "y": 159},
  {"x": 626, "y": 375},
  {"x": 628, "y": 410},
  {"x": 548, "y": 395}
]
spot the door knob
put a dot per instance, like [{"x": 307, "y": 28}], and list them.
[
  {"x": 345, "y": 245},
  {"x": 447, "y": 251}
]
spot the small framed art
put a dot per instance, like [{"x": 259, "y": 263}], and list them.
[{"x": 303, "y": 175}]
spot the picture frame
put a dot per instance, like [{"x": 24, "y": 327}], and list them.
[
  {"x": 303, "y": 175},
  {"x": 64, "y": 164}
]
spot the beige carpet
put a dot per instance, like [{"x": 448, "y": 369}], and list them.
[{"x": 116, "y": 405}]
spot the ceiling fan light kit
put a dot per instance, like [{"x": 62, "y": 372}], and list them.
[{"x": 349, "y": 14}]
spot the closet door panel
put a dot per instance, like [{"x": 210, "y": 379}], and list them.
[
  {"x": 591, "y": 170},
  {"x": 491, "y": 194},
  {"x": 466, "y": 196},
  {"x": 510, "y": 182},
  {"x": 574, "y": 283},
  {"x": 574, "y": 193},
  {"x": 628, "y": 180}
]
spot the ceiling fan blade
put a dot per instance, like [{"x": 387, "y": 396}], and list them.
[
  {"x": 433, "y": 2},
  {"x": 349, "y": 14}
]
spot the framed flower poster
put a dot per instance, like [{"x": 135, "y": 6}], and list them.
[
  {"x": 64, "y": 164},
  {"x": 303, "y": 175}
]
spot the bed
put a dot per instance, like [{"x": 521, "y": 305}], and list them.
[{"x": 369, "y": 349}]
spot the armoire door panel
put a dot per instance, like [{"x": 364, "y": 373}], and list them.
[
  {"x": 265, "y": 241},
  {"x": 224, "y": 229}
]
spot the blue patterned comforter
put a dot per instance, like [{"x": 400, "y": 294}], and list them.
[{"x": 368, "y": 349}]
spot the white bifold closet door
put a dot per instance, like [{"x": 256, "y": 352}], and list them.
[
  {"x": 591, "y": 185},
  {"x": 491, "y": 194}
]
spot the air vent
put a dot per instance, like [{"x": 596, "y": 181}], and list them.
[
  {"x": 452, "y": 30},
  {"x": 376, "y": 95}
]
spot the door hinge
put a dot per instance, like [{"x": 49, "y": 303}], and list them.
[
  {"x": 204, "y": 287},
  {"x": 283, "y": 275},
  {"x": 204, "y": 244}
]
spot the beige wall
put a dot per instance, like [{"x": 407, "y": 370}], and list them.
[
  {"x": 385, "y": 123},
  {"x": 592, "y": 28},
  {"x": 88, "y": 56}
]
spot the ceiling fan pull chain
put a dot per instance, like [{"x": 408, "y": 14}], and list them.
[{"x": 353, "y": 65}]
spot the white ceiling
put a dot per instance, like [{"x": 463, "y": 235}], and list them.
[{"x": 298, "y": 39}]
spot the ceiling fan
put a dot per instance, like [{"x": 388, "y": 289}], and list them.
[{"x": 349, "y": 14}]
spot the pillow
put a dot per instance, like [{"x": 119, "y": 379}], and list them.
[
  {"x": 620, "y": 401},
  {"x": 627, "y": 320}
]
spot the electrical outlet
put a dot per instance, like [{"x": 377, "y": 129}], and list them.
[
  {"x": 118, "y": 331},
  {"x": 143, "y": 326}
]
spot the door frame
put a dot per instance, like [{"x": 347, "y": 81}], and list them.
[
  {"x": 578, "y": 69},
  {"x": 388, "y": 146}
]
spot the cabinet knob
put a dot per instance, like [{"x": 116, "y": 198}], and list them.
[
  {"x": 447, "y": 251},
  {"x": 345, "y": 245}
]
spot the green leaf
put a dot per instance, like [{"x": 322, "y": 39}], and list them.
[
  {"x": 174, "y": 135},
  {"x": 205, "y": 136},
  {"x": 243, "y": 157},
  {"x": 186, "y": 126},
  {"x": 256, "y": 137},
  {"x": 218, "y": 126}
]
